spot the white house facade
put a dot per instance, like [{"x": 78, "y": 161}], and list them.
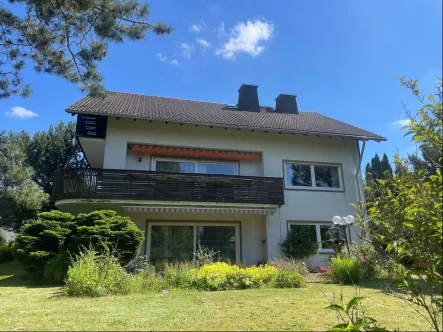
[{"x": 231, "y": 178}]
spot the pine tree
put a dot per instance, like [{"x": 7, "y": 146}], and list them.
[
  {"x": 376, "y": 167},
  {"x": 386, "y": 166},
  {"x": 66, "y": 38}
]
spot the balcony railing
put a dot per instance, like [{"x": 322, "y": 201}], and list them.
[{"x": 87, "y": 183}]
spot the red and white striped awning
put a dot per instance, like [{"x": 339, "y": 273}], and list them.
[{"x": 194, "y": 152}]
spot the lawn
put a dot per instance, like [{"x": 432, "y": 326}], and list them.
[{"x": 27, "y": 307}]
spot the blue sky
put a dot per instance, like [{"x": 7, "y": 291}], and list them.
[{"x": 340, "y": 57}]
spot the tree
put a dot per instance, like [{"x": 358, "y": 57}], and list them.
[
  {"x": 386, "y": 166},
  {"x": 376, "y": 169},
  {"x": 52, "y": 150},
  {"x": 67, "y": 38},
  {"x": 407, "y": 215},
  {"x": 20, "y": 197}
]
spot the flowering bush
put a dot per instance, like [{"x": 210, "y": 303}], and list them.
[{"x": 222, "y": 276}]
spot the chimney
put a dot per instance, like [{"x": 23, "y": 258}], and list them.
[
  {"x": 285, "y": 103},
  {"x": 248, "y": 98}
]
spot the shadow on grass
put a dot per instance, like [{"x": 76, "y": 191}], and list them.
[{"x": 13, "y": 275}]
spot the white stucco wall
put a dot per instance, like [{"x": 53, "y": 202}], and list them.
[{"x": 301, "y": 205}]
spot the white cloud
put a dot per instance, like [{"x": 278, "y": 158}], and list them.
[
  {"x": 161, "y": 57},
  {"x": 195, "y": 28},
  {"x": 203, "y": 43},
  {"x": 221, "y": 32},
  {"x": 186, "y": 50},
  {"x": 21, "y": 113},
  {"x": 175, "y": 62},
  {"x": 246, "y": 37},
  {"x": 402, "y": 122},
  {"x": 198, "y": 27}
]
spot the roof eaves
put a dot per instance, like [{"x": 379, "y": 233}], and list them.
[{"x": 311, "y": 133}]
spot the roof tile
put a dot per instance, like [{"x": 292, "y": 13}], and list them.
[{"x": 215, "y": 114}]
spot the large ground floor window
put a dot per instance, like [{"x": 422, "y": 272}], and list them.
[
  {"x": 170, "y": 242},
  {"x": 324, "y": 233}
]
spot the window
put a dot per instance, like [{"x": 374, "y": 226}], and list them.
[
  {"x": 194, "y": 166},
  {"x": 324, "y": 233},
  {"x": 312, "y": 176},
  {"x": 177, "y": 242}
]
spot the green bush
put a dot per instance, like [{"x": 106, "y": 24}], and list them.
[
  {"x": 42, "y": 240},
  {"x": 105, "y": 229},
  {"x": 222, "y": 276},
  {"x": 372, "y": 264},
  {"x": 56, "y": 268},
  {"x": 299, "y": 243},
  {"x": 289, "y": 279},
  {"x": 56, "y": 232},
  {"x": 97, "y": 274},
  {"x": 6, "y": 252},
  {"x": 179, "y": 275},
  {"x": 345, "y": 270},
  {"x": 290, "y": 264}
]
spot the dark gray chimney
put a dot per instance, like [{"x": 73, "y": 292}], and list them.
[
  {"x": 285, "y": 103},
  {"x": 248, "y": 98}
]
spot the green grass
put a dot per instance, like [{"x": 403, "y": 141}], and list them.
[{"x": 27, "y": 307}]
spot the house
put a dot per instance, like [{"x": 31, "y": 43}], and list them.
[{"x": 233, "y": 178}]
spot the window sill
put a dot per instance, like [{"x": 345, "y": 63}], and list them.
[{"x": 315, "y": 189}]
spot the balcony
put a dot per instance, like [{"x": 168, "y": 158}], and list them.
[{"x": 111, "y": 184}]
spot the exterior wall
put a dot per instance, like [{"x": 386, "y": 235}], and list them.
[{"x": 301, "y": 205}]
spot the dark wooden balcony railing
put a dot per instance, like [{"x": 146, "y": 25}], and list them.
[{"x": 88, "y": 183}]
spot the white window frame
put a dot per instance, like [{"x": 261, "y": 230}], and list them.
[
  {"x": 317, "y": 231},
  {"x": 195, "y": 225},
  {"x": 312, "y": 168},
  {"x": 196, "y": 162}
]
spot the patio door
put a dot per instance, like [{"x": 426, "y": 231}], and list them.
[{"x": 178, "y": 242}]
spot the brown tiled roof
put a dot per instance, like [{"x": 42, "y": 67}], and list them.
[{"x": 215, "y": 114}]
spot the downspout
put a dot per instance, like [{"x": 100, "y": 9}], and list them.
[{"x": 357, "y": 174}]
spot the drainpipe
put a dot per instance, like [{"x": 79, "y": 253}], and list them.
[{"x": 357, "y": 175}]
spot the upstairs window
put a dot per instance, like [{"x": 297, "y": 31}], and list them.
[
  {"x": 312, "y": 176},
  {"x": 194, "y": 166}
]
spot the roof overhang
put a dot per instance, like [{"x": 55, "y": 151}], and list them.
[{"x": 263, "y": 129}]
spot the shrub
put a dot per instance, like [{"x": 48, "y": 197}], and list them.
[
  {"x": 56, "y": 268},
  {"x": 289, "y": 279},
  {"x": 97, "y": 274},
  {"x": 222, "y": 276},
  {"x": 299, "y": 243},
  {"x": 345, "y": 270},
  {"x": 256, "y": 276},
  {"x": 290, "y": 264},
  {"x": 371, "y": 262},
  {"x": 205, "y": 256},
  {"x": 105, "y": 229},
  {"x": 57, "y": 232},
  {"x": 179, "y": 275},
  {"x": 6, "y": 252},
  {"x": 42, "y": 240}
]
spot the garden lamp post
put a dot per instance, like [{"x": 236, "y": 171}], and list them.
[{"x": 344, "y": 222}]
